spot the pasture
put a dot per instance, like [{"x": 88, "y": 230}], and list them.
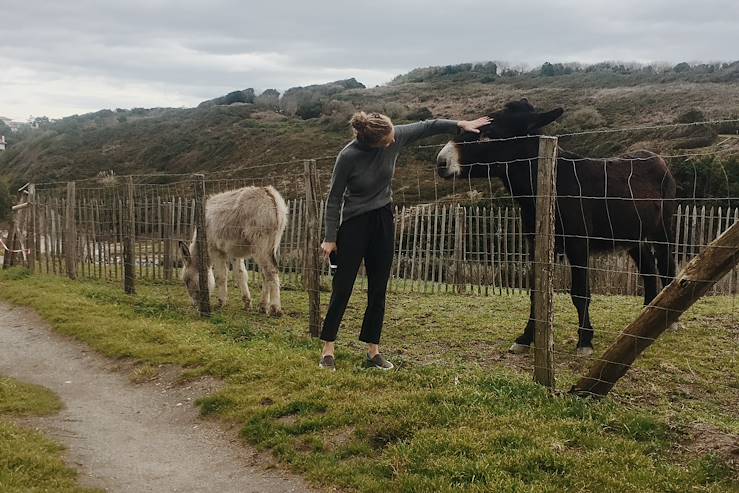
[{"x": 460, "y": 414}]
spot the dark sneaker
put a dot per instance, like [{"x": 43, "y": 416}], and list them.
[
  {"x": 327, "y": 363},
  {"x": 379, "y": 362}
]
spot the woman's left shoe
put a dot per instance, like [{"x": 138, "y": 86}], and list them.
[
  {"x": 327, "y": 363},
  {"x": 379, "y": 362}
]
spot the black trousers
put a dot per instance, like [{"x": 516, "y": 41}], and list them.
[{"x": 368, "y": 236}]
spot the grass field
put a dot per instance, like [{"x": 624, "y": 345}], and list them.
[
  {"x": 28, "y": 461},
  {"x": 459, "y": 414}
]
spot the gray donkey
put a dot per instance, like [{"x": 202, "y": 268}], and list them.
[{"x": 243, "y": 223}]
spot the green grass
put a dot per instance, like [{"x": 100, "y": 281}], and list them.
[
  {"x": 459, "y": 414},
  {"x": 28, "y": 461},
  {"x": 22, "y": 399}
]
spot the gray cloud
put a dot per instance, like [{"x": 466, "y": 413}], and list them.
[{"x": 59, "y": 58}]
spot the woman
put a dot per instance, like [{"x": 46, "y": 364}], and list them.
[{"x": 361, "y": 184}]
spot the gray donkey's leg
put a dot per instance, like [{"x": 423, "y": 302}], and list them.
[{"x": 242, "y": 280}]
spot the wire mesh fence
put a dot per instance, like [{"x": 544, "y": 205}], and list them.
[{"x": 445, "y": 245}]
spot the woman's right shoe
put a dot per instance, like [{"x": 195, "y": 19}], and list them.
[{"x": 379, "y": 362}]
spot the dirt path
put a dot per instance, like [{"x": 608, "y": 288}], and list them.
[{"x": 126, "y": 437}]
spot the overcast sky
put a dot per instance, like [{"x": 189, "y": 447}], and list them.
[{"x": 63, "y": 57}]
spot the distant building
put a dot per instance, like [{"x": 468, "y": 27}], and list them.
[
  {"x": 2, "y": 142},
  {"x": 14, "y": 125}
]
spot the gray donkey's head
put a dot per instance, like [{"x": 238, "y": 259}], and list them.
[
  {"x": 190, "y": 270},
  {"x": 191, "y": 265}
]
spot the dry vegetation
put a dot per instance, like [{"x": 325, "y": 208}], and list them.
[{"x": 215, "y": 137}]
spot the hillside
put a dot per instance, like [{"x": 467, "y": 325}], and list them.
[{"x": 311, "y": 122}]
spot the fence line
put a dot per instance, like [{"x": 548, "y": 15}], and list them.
[{"x": 439, "y": 247}]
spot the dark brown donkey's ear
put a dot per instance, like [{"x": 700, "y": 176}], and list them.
[{"x": 539, "y": 120}]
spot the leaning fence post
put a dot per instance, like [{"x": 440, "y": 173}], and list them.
[
  {"x": 546, "y": 192},
  {"x": 694, "y": 281},
  {"x": 70, "y": 232},
  {"x": 129, "y": 241},
  {"x": 312, "y": 266},
  {"x": 201, "y": 245}
]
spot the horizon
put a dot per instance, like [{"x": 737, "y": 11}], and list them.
[{"x": 519, "y": 66}]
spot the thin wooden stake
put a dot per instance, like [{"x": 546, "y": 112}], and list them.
[
  {"x": 416, "y": 212},
  {"x": 168, "y": 241},
  {"x": 434, "y": 242},
  {"x": 311, "y": 269},
  {"x": 443, "y": 278},
  {"x": 70, "y": 231},
  {"x": 459, "y": 249}
]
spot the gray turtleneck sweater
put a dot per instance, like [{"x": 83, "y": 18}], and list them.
[{"x": 362, "y": 174}]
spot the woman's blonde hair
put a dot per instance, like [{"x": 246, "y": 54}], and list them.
[{"x": 371, "y": 128}]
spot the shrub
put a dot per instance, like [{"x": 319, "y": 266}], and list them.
[
  {"x": 584, "y": 118},
  {"x": 422, "y": 113},
  {"x": 245, "y": 96},
  {"x": 681, "y": 67},
  {"x": 394, "y": 110},
  {"x": 691, "y": 116},
  {"x": 269, "y": 99},
  {"x": 550, "y": 70},
  {"x": 5, "y": 201},
  {"x": 309, "y": 109},
  {"x": 337, "y": 114}
]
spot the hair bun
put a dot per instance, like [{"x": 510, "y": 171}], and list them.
[
  {"x": 372, "y": 128},
  {"x": 359, "y": 121}
]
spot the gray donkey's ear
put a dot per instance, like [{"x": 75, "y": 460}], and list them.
[{"x": 185, "y": 249}]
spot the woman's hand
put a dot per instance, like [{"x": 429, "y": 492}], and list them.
[
  {"x": 474, "y": 125},
  {"x": 327, "y": 247}
]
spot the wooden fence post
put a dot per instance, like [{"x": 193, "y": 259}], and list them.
[
  {"x": 311, "y": 265},
  {"x": 129, "y": 241},
  {"x": 70, "y": 232},
  {"x": 168, "y": 228},
  {"x": 546, "y": 192},
  {"x": 31, "y": 228},
  {"x": 201, "y": 245},
  {"x": 694, "y": 281},
  {"x": 459, "y": 223}
]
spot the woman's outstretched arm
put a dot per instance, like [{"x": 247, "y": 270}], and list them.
[{"x": 405, "y": 134}]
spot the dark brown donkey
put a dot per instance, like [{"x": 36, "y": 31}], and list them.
[{"x": 602, "y": 204}]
